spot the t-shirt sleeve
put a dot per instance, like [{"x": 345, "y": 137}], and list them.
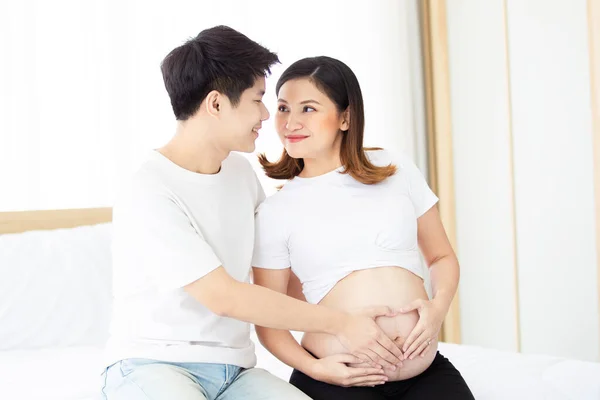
[
  {"x": 270, "y": 243},
  {"x": 176, "y": 253},
  {"x": 421, "y": 194}
]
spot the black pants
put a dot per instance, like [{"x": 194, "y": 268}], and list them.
[{"x": 440, "y": 381}]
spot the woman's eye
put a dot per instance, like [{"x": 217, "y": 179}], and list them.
[
  {"x": 309, "y": 109},
  {"x": 281, "y": 109}
]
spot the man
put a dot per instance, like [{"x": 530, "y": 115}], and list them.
[{"x": 183, "y": 239}]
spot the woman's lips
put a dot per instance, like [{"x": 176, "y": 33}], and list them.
[{"x": 295, "y": 138}]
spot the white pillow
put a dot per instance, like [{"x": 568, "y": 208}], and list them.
[{"x": 55, "y": 287}]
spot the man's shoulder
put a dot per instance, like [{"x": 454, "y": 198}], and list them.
[
  {"x": 144, "y": 187},
  {"x": 240, "y": 169},
  {"x": 147, "y": 179},
  {"x": 239, "y": 162}
]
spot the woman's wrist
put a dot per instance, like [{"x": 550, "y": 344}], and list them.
[{"x": 442, "y": 301}]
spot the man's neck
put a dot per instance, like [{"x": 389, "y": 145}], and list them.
[{"x": 194, "y": 149}]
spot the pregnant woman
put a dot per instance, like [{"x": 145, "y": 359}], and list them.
[{"x": 349, "y": 224}]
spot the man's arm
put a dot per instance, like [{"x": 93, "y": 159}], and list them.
[
  {"x": 227, "y": 297},
  {"x": 282, "y": 344}
]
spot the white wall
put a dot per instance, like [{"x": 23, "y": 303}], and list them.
[
  {"x": 522, "y": 136},
  {"x": 82, "y": 99},
  {"x": 554, "y": 177},
  {"x": 482, "y": 167}
]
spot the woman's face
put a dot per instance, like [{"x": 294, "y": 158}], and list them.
[{"x": 307, "y": 121}]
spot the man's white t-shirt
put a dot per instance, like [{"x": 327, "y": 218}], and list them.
[{"x": 172, "y": 227}]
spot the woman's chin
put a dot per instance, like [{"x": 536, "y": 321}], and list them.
[{"x": 294, "y": 153}]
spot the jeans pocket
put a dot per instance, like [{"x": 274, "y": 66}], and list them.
[{"x": 129, "y": 365}]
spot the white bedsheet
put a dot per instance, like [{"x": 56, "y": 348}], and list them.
[
  {"x": 493, "y": 374},
  {"x": 50, "y": 374},
  {"x": 54, "y": 279},
  {"x": 73, "y": 374}
]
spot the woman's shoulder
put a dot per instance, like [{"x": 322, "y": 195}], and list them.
[
  {"x": 382, "y": 157},
  {"x": 275, "y": 205}
]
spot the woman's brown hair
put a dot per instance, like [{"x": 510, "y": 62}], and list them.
[{"x": 336, "y": 80}]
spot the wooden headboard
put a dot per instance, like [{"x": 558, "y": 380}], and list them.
[{"x": 22, "y": 221}]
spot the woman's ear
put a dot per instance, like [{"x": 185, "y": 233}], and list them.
[
  {"x": 213, "y": 106},
  {"x": 345, "y": 121}
]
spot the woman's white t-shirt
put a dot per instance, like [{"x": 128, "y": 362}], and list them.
[{"x": 329, "y": 226}]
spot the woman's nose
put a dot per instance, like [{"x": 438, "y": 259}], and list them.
[{"x": 293, "y": 124}]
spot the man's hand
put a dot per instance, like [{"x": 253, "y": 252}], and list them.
[
  {"x": 362, "y": 337},
  {"x": 335, "y": 371}
]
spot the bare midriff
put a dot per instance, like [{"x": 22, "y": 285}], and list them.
[{"x": 383, "y": 286}]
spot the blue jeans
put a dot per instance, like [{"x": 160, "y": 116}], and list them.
[{"x": 141, "y": 379}]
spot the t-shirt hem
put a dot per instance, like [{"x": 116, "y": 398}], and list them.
[
  {"x": 428, "y": 205},
  {"x": 185, "y": 279},
  {"x": 269, "y": 266},
  {"x": 241, "y": 357}
]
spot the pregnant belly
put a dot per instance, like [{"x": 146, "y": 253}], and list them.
[{"x": 390, "y": 286}]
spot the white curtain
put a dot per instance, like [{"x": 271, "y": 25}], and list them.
[{"x": 82, "y": 99}]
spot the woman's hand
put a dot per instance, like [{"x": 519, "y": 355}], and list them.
[
  {"x": 335, "y": 370},
  {"x": 431, "y": 316},
  {"x": 362, "y": 337}
]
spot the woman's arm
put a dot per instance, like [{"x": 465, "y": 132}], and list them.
[
  {"x": 439, "y": 256},
  {"x": 444, "y": 273},
  {"x": 294, "y": 288},
  {"x": 282, "y": 344},
  {"x": 279, "y": 342}
]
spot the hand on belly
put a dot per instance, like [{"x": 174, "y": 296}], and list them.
[
  {"x": 396, "y": 328},
  {"x": 387, "y": 286}
]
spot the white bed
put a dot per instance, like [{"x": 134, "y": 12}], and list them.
[
  {"x": 73, "y": 374},
  {"x": 54, "y": 310}
]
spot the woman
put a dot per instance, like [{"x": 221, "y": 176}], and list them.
[{"x": 349, "y": 224}]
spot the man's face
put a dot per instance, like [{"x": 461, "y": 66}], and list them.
[{"x": 241, "y": 123}]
